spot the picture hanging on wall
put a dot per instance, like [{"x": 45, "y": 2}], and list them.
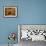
[{"x": 10, "y": 11}]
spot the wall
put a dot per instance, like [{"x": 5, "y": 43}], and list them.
[
  {"x": 7, "y": 25},
  {"x": 29, "y": 12}
]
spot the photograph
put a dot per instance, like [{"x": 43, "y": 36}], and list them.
[{"x": 10, "y": 11}]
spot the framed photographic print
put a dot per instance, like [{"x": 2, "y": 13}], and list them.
[{"x": 10, "y": 11}]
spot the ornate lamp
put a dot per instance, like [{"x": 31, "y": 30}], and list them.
[{"x": 12, "y": 37}]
